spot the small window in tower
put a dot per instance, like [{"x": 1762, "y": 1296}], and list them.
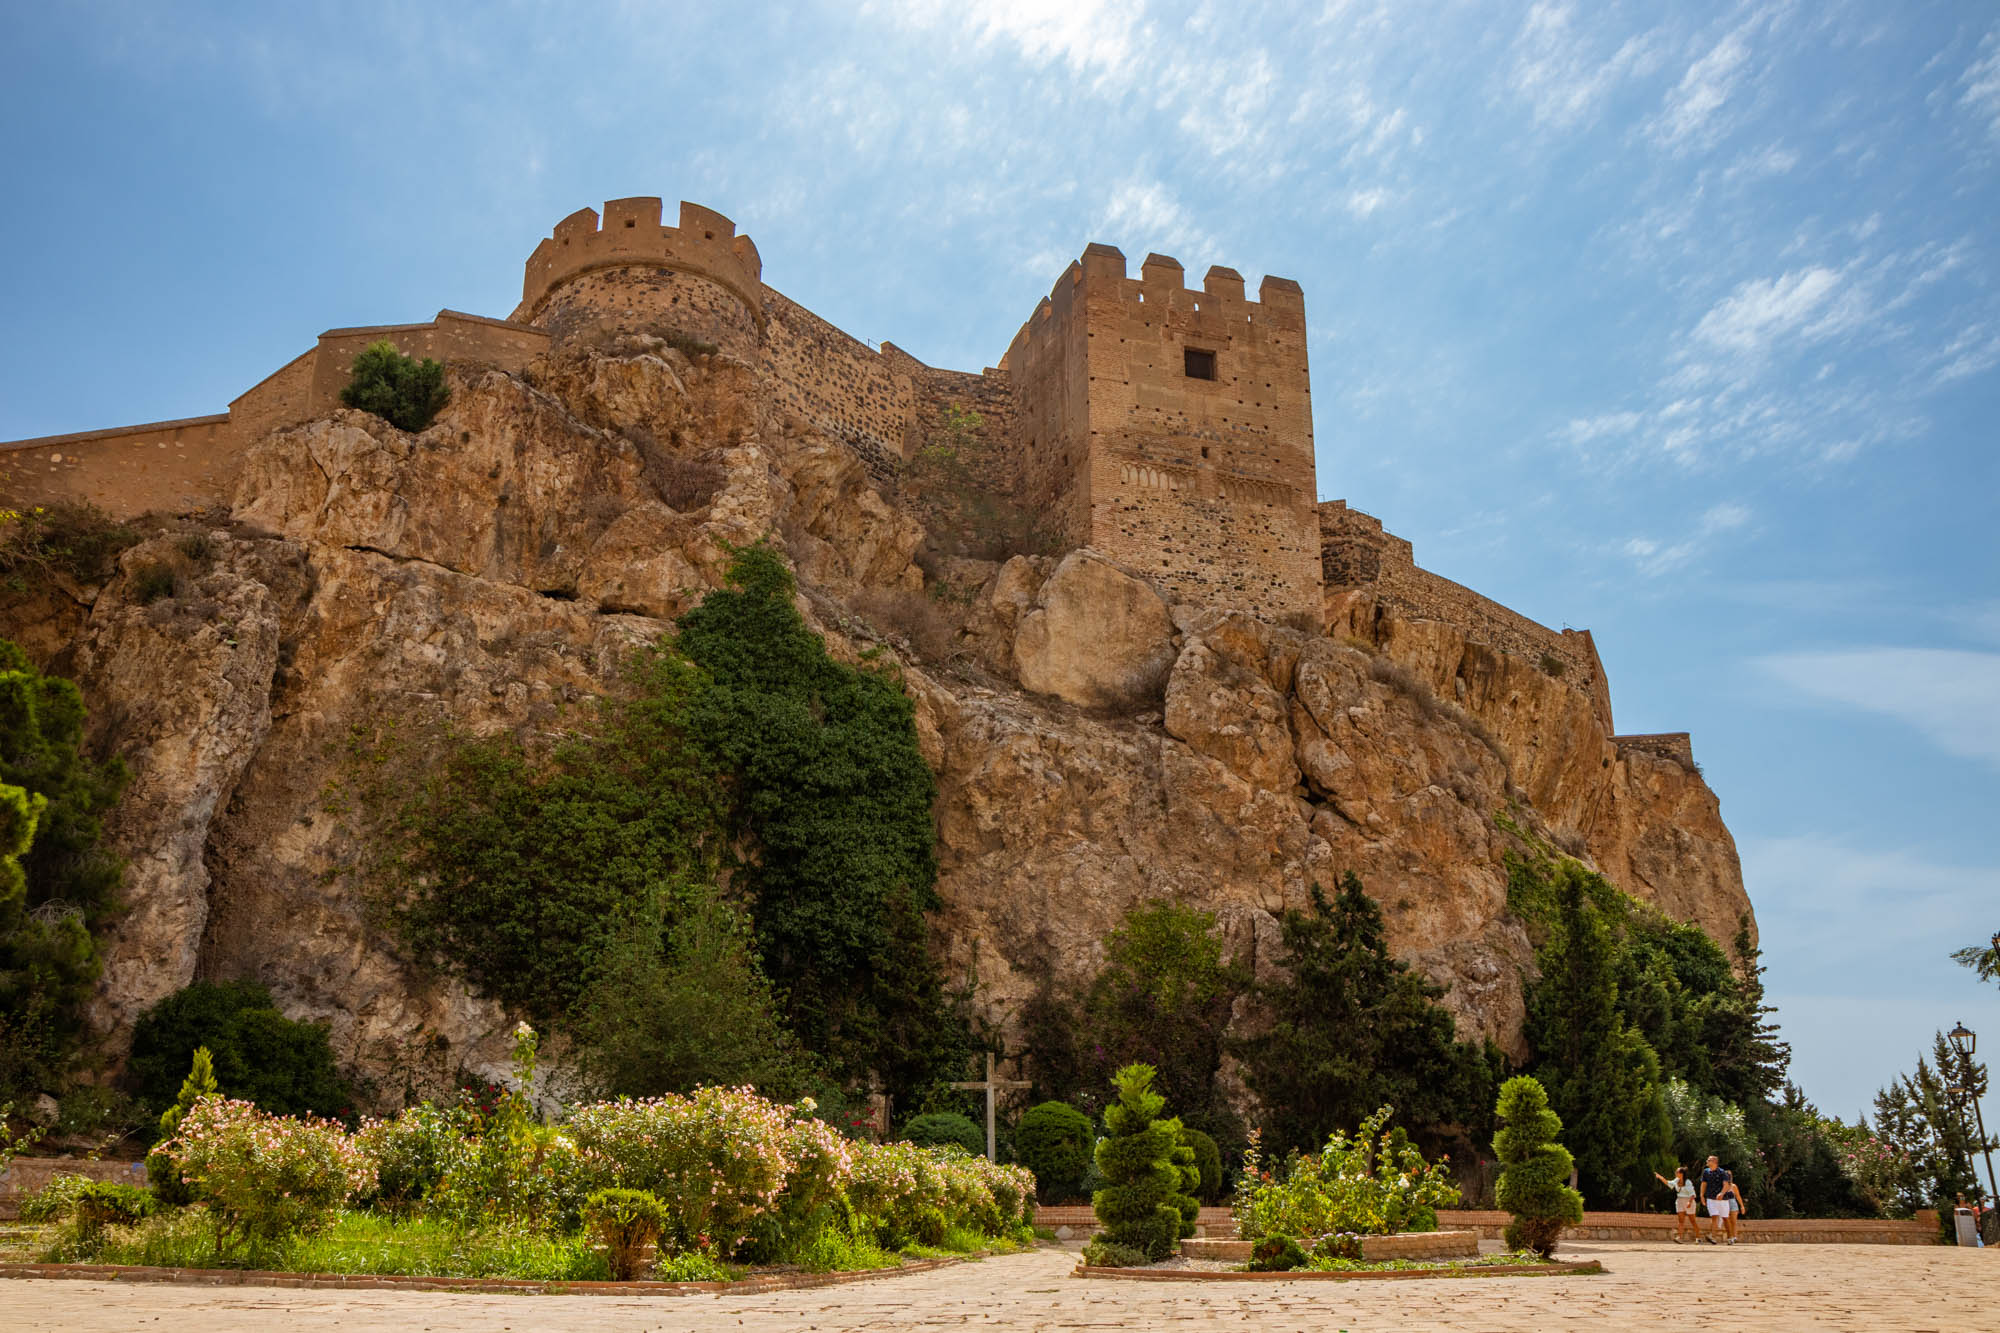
[{"x": 1200, "y": 364}]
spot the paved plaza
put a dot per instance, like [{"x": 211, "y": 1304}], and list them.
[{"x": 1758, "y": 1289}]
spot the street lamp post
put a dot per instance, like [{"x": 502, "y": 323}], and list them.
[{"x": 1965, "y": 1041}]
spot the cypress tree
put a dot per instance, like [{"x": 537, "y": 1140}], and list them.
[
  {"x": 1534, "y": 1169},
  {"x": 1140, "y": 1204}
]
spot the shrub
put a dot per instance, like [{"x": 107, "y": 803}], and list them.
[
  {"x": 717, "y": 1159},
  {"x": 1372, "y": 1182},
  {"x": 1208, "y": 1163},
  {"x": 161, "y": 1172},
  {"x": 1534, "y": 1169},
  {"x": 1276, "y": 1254},
  {"x": 1139, "y": 1204},
  {"x": 265, "y": 1178},
  {"x": 259, "y": 1055},
  {"x": 1055, "y": 1141},
  {"x": 402, "y": 390},
  {"x": 927, "y": 624},
  {"x": 77, "y": 540},
  {"x": 941, "y": 1128},
  {"x": 1338, "y": 1245},
  {"x": 414, "y": 1152},
  {"x": 684, "y": 484},
  {"x": 625, "y": 1222},
  {"x": 55, "y": 1201},
  {"x": 1101, "y": 1253},
  {"x": 153, "y": 582}
]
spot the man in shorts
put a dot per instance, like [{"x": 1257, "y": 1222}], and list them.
[{"x": 1718, "y": 1194}]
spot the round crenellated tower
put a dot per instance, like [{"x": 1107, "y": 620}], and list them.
[{"x": 632, "y": 274}]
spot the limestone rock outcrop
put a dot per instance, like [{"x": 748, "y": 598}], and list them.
[
  {"x": 1095, "y": 636},
  {"x": 1095, "y": 745}
]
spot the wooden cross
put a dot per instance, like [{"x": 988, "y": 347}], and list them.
[{"x": 990, "y": 1086}]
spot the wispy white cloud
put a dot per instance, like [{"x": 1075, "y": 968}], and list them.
[
  {"x": 1974, "y": 351},
  {"x": 1758, "y": 312},
  {"x": 1688, "y": 117},
  {"x": 1653, "y": 557},
  {"x": 1981, "y": 82},
  {"x": 1151, "y": 215},
  {"x": 1099, "y": 39},
  {"x": 1951, "y": 696},
  {"x": 1561, "y": 76}
]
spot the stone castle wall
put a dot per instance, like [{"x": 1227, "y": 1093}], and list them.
[
  {"x": 1356, "y": 553},
  {"x": 704, "y": 245},
  {"x": 1206, "y": 483},
  {"x": 192, "y": 463}
]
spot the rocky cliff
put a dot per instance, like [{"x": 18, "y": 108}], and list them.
[{"x": 1096, "y": 746}]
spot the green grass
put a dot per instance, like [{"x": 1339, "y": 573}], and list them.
[
  {"x": 1406, "y": 1265},
  {"x": 360, "y": 1242},
  {"x": 364, "y": 1243}
]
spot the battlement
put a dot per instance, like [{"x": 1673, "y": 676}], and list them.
[
  {"x": 705, "y": 244},
  {"x": 1218, "y": 308}
]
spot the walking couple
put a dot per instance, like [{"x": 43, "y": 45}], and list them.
[{"x": 1717, "y": 1192}]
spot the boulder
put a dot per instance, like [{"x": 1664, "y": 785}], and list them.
[{"x": 1096, "y": 637}]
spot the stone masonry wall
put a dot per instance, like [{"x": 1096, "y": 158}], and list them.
[
  {"x": 1675, "y": 745},
  {"x": 1355, "y": 552},
  {"x": 645, "y": 298},
  {"x": 839, "y": 384},
  {"x": 192, "y": 463}
]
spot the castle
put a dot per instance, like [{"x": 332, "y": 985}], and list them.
[{"x": 1167, "y": 427}]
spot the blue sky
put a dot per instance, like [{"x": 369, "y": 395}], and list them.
[{"x": 1680, "y": 326}]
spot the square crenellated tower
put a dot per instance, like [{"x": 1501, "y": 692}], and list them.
[{"x": 1171, "y": 429}]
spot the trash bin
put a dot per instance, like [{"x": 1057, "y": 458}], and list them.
[{"x": 1963, "y": 1230}]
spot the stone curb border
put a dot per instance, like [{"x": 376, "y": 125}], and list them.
[
  {"x": 235, "y": 1277},
  {"x": 1306, "y": 1275}
]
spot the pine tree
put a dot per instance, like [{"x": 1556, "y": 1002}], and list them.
[
  {"x": 1139, "y": 1205},
  {"x": 1534, "y": 1169}
]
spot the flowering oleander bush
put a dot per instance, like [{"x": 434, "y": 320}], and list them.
[
  {"x": 718, "y": 1159},
  {"x": 414, "y": 1152},
  {"x": 266, "y": 1178},
  {"x": 1373, "y": 1183}
]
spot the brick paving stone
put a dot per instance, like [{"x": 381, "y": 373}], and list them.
[{"x": 1763, "y": 1289}]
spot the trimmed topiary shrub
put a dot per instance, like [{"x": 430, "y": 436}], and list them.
[
  {"x": 1139, "y": 1204},
  {"x": 1055, "y": 1141},
  {"x": 1276, "y": 1254},
  {"x": 1534, "y": 1169},
  {"x": 940, "y": 1129},
  {"x": 1207, "y": 1160},
  {"x": 626, "y": 1222},
  {"x": 402, "y": 390}
]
